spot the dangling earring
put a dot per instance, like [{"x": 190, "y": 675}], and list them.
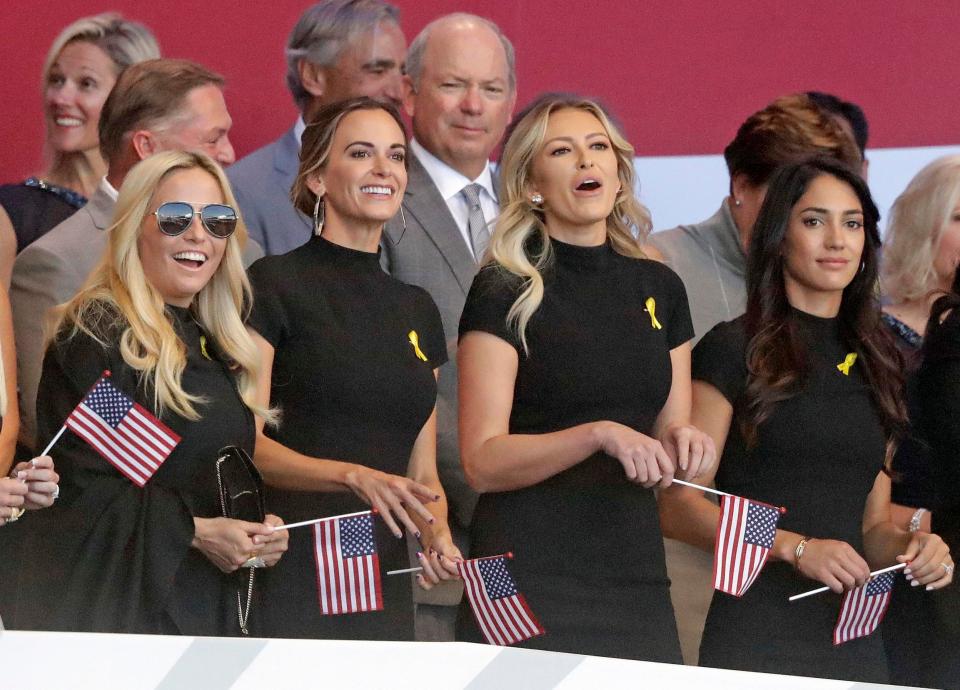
[
  {"x": 403, "y": 228},
  {"x": 318, "y": 217},
  {"x": 536, "y": 199}
]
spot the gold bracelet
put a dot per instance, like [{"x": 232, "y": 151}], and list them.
[{"x": 798, "y": 552}]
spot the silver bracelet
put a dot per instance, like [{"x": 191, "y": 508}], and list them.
[{"x": 915, "y": 520}]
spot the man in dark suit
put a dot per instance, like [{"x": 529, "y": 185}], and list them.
[
  {"x": 460, "y": 92},
  {"x": 157, "y": 105},
  {"x": 339, "y": 49}
]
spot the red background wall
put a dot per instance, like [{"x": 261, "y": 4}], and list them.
[{"x": 681, "y": 74}]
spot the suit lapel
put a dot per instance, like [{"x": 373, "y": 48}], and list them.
[
  {"x": 423, "y": 202},
  {"x": 100, "y": 207},
  {"x": 286, "y": 163}
]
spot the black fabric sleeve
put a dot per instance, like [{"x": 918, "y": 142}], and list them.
[
  {"x": 106, "y": 555},
  {"x": 268, "y": 317},
  {"x": 491, "y": 295},
  {"x": 433, "y": 342},
  {"x": 678, "y": 323},
  {"x": 720, "y": 360}
]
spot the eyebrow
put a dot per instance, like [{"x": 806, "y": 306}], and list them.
[
  {"x": 850, "y": 212},
  {"x": 570, "y": 139},
  {"x": 370, "y": 145},
  {"x": 380, "y": 63}
]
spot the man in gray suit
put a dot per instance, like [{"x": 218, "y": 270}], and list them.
[
  {"x": 339, "y": 49},
  {"x": 460, "y": 92},
  {"x": 157, "y": 105}
]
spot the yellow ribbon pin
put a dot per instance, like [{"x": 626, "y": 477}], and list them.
[
  {"x": 415, "y": 341},
  {"x": 203, "y": 347},
  {"x": 847, "y": 362},
  {"x": 651, "y": 304}
]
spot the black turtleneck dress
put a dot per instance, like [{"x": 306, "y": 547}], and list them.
[
  {"x": 110, "y": 556},
  {"x": 588, "y": 551},
  {"x": 350, "y": 386},
  {"x": 818, "y": 455}
]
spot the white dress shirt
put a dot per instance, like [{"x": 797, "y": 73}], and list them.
[
  {"x": 450, "y": 184},
  {"x": 109, "y": 189}
]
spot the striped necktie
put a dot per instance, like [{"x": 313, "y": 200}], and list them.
[{"x": 476, "y": 223}]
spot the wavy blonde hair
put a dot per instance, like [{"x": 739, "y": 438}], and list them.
[
  {"x": 628, "y": 225},
  {"x": 917, "y": 221},
  {"x": 118, "y": 295}
]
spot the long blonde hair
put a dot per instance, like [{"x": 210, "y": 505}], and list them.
[
  {"x": 917, "y": 221},
  {"x": 628, "y": 225},
  {"x": 117, "y": 295}
]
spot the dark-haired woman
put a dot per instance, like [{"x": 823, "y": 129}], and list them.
[
  {"x": 939, "y": 403},
  {"x": 350, "y": 359},
  {"x": 802, "y": 396}
]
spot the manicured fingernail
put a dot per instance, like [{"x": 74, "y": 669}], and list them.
[
  {"x": 909, "y": 577},
  {"x": 929, "y": 587},
  {"x": 906, "y": 571},
  {"x": 398, "y": 535},
  {"x": 420, "y": 555},
  {"x": 914, "y": 583},
  {"x": 430, "y": 521},
  {"x": 417, "y": 535}
]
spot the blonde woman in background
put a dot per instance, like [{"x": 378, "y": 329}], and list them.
[
  {"x": 920, "y": 257},
  {"x": 574, "y": 363},
  {"x": 79, "y": 71},
  {"x": 163, "y": 312}
]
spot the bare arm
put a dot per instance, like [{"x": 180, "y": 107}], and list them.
[
  {"x": 496, "y": 460},
  {"x": 8, "y": 248},
  {"x": 11, "y": 417}
]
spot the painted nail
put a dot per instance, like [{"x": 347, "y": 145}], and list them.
[
  {"x": 417, "y": 535},
  {"x": 914, "y": 583},
  {"x": 906, "y": 571},
  {"x": 929, "y": 587},
  {"x": 909, "y": 577},
  {"x": 437, "y": 497},
  {"x": 420, "y": 555}
]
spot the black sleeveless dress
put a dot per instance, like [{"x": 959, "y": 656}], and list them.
[
  {"x": 587, "y": 543},
  {"x": 818, "y": 454},
  {"x": 35, "y": 206},
  {"x": 350, "y": 387}
]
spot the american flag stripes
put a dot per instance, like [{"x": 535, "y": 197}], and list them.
[
  {"x": 348, "y": 569},
  {"x": 863, "y": 609},
  {"x": 501, "y": 611},
  {"x": 745, "y": 535},
  {"x": 127, "y": 435}
]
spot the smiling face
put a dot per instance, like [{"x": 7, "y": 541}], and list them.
[
  {"x": 823, "y": 244},
  {"x": 576, "y": 174},
  {"x": 180, "y": 267},
  {"x": 364, "y": 177},
  {"x": 462, "y": 103},
  {"x": 79, "y": 82}
]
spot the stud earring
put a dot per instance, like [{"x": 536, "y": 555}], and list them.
[
  {"x": 737, "y": 203},
  {"x": 318, "y": 217},
  {"x": 536, "y": 199}
]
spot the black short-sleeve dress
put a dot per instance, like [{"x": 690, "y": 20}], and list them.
[
  {"x": 351, "y": 386},
  {"x": 587, "y": 542},
  {"x": 818, "y": 455},
  {"x": 110, "y": 556}
]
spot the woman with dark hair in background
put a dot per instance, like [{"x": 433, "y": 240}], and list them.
[
  {"x": 350, "y": 358},
  {"x": 802, "y": 394}
]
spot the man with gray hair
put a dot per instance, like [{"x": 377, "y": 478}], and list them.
[
  {"x": 338, "y": 49},
  {"x": 460, "y": 91},
  {"x": 156, "y": 105}
]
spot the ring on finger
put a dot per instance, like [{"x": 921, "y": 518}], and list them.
[
  {"x": 948, "y": 567},
  {"x": 56, "y": 492},
  {"x": 15, "y": 514}
]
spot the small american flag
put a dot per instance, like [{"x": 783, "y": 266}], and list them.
[
  {"x": 744, "y": 538},
  {"x": 501, "y": 611},
  {"x": 348, "y": 569},
  {"x": 863, "y": 609},
  {"x": 127, "y": 435}
]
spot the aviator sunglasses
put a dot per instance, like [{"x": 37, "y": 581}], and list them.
[{"x": 174, "y": 217}]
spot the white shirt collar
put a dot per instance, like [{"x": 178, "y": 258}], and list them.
[
  {"x": 299, "y": 128},
  {"x": 448, "y": 181},
  {"x": 108, "y": 189}
]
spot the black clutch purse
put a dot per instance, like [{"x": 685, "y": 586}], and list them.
[{"x": 241, "y": 498}]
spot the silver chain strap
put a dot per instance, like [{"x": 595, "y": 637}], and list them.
[{"x": 242, "y": 615}]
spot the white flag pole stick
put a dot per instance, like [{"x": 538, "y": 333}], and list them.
[
  {"x": 701, "y": 488},
  {"x": 820, "y": 590},
  {"x": 46, "y": 451},
  {"x": 323, "y": 519},
  {"x": 404, "y": 571}
]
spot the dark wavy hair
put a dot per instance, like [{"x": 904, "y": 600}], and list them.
[
  {"x": 776, "y": 354},
  {"x": 943, "y": 304}
]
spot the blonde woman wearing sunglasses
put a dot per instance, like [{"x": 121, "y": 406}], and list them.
[{"x": 162, "y": 313}]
